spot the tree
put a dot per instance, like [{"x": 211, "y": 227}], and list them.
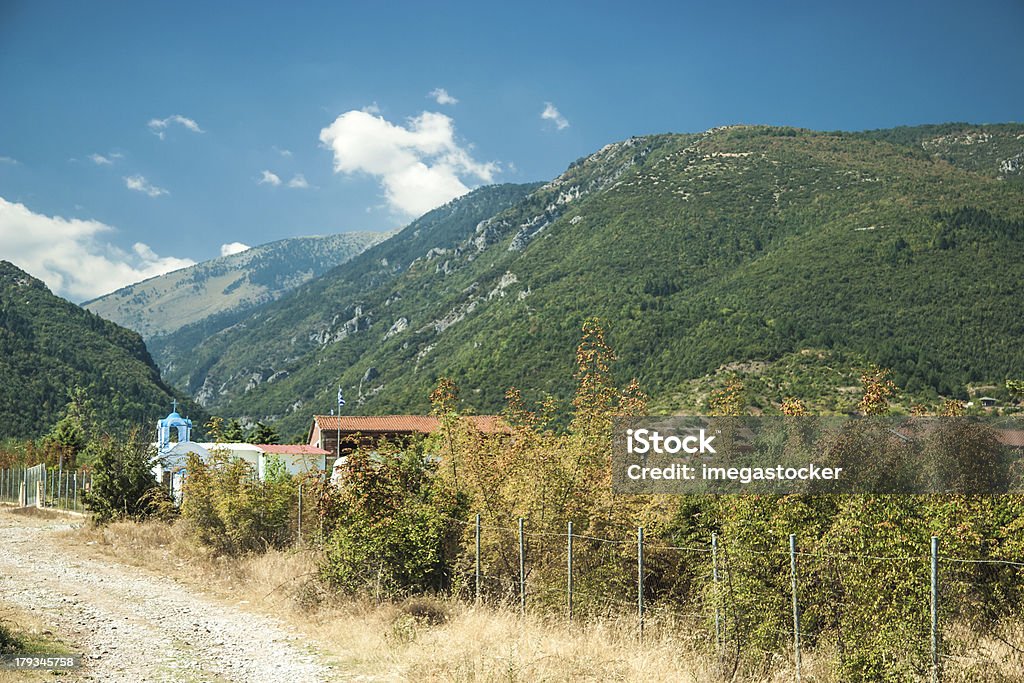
[
  {"x": 264, "y": 434},
  {"x": 233, "y": 433},
  {"x": 123, "y": 483},
  {"x": 69, "y": 436},
  {"x": 878, "y": 389}
]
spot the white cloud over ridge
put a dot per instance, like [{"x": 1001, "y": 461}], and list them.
[
  {"x": 71, "y": 257},
  {"x": 159, "y": 126},
  {"x": 551, "y": 113},
  {"x": 441, "y": 96},
  {"x": 420, "y": 166},
  {"x": 140, "y": 184},
  {"x": 233, "y": 248}
]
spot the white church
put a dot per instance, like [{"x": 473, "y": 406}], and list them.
[{"x": 174, "y": 444}]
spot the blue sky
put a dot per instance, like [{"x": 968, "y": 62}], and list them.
[{"x": 138, "y": 137}]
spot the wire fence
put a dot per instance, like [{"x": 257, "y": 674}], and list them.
[
  {"x": 545, "y": 568},
  {"x": 44, "y": 487},
  {"x": 713, "y": 612}
]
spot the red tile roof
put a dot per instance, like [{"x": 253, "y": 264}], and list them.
[
  {"x": 422, "y": 424},
  {"x": 292, "y": 449},
  {"x": 1013, "y": 438}
]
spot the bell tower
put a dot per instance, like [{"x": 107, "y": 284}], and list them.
[{"x": 172, "y": 425}]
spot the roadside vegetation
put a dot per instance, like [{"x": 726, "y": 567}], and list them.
[
  {"x": 390, "y": 554},
  {"x": 384, "y": 569}
]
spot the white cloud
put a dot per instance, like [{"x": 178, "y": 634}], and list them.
[
  {"x": 420, "y": 166},
  {"x": 233, "y": 248},
  {"x": 286, "y": 153},
  {"x": 441, "y": 96},
  {"x": 298, "y": 181},
  {"x": 8, "y": 160},
  {"x": 159, "y": 126},
  {"x": 107, "y": 160},
  {"x": 140, "y": 184},
  {"x": 71, "y": 257},
  {"x": 551, "y": 113},
  {"x": 269, "y": 178}
]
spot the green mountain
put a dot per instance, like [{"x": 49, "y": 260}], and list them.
[
  {"x": 321, "y": 304},
  {"x": 744, "y": 243},
  {"x": 49, "y": 346},
  {"x": 226, "y": 287}
]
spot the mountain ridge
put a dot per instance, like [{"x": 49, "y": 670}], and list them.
[
  {"x": 227, "y": 284},
  {"x": 49, "y": 346},
  {"x": 739, "y": 243}
]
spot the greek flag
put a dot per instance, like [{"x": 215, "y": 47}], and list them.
[{"x": 341, "y": 400}]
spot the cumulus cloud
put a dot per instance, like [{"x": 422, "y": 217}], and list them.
[
  {"x": 551, "y": 113},
  {"x": 140, "y": 184},
  {"x": 269, "y": 178},
  {"x": 71, "y": 256},
  {"x": 298, "y": 181},
  {"x": 441, "y": 96},
  {"x": 159, "y": 126},
  {"x": 420, "y": 165},
  {"x": 233, "y": 248}
]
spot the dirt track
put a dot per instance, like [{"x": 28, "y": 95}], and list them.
[{"x": 135, "y": 626}]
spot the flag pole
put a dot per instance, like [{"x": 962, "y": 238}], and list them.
[{"x": 341, "y": 402}]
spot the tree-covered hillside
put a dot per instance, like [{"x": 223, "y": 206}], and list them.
[
  {"x": 741, "y": 243},
  {"x": 49, "y": 346}
]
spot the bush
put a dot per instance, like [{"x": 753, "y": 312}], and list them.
[
  {"x": 391, "y": 525},
  {"x": 9, "y": 641},
  {"x": 123, "y": 483},
  {"x": 232, "y": 511}
]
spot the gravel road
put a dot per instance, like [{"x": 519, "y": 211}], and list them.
[{"x": 135, "y": 626}]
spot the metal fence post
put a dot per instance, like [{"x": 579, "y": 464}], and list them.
[
  {"x": 76, "y": 491},
  {"x": 300, "y": 512},
  {"x": 640, "y": 578},
  {"x": 522, "y": 570},
  {"x": 476, "y": 575},
  {"x": 569, "y": 572},
  {"x": 714, "y": 579},
  {"x": 935, "y": 610},
  {"x": 796, "y": 608}
]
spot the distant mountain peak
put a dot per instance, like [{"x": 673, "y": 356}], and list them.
[{"x": 228, "y": 284}]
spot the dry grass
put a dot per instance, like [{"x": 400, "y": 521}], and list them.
[{"x": 435, "y": 639}]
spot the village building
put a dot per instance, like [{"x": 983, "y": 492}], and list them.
[
  {"x": 342, "y": 434},
  {"x": 329, "y": 436},
  {"x": 174, "y": 444},
  {"x": 358, "y": 430}
]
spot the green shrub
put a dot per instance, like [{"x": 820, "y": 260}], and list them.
[
  {"x": 229, "y": 509},
  {"x": 392, "y": 524},
  {"x": 123, "y": 483}
]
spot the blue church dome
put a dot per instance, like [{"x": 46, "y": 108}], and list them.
[{"x": 183, "y": 427}]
